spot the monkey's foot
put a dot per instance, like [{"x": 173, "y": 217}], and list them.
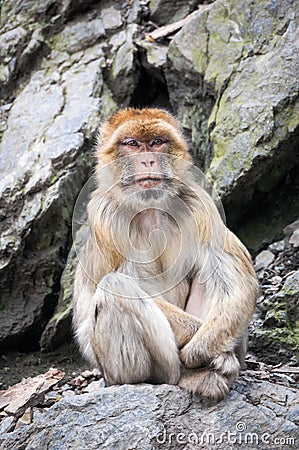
[
  {"x": 210, "y": 385},
  {"x": 227, "y": 364},
  {"x": 193, "y": 357}
]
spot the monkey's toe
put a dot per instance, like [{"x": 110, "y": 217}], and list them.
[
  {"x": 227, "y": 364},
  {"x": 210, "y": 385}
]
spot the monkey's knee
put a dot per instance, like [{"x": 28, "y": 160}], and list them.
[{"x": 132, "y": 338}]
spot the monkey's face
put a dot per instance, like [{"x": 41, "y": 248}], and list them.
[
  {"x": 144, "y": 150},
  {"x": 146, "y": 164}
]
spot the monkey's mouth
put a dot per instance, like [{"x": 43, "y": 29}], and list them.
[
  {"x": 146, "y": 182},
  {"x": 149, "y": 182}
]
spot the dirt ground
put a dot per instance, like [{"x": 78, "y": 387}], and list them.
[{"x": 14, "y": 366}]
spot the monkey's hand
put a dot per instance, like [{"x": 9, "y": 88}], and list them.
[
  {"x": 184, "y": 328},
  {"x": 225, "y": 364},
  {"x": 202, "y": 349},
  {"x": 192, "y": 357},
  {"x": 183, "y": 325},
  {"x": 213, "y": 339}
]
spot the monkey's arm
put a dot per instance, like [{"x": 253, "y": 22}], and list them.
[
  {"x": 231, "y": 289},
  {"x": 184, "y": 325}
]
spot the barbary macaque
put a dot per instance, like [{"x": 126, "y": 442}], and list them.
[{"x": 163, "y": 290}]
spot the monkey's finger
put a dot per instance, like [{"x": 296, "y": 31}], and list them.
[{"x": 191, "y": 356}]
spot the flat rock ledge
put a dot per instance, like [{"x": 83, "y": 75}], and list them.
[{"x": 256, "y": 414}]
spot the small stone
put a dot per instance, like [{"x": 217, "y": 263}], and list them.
[
  {"x": 277, "y": 247},
  {"x": 51, "y": 397},
  {"x": 111, "y": 18},
  {"x": 276, "y": 280},
  {"x": 294, "y": 239},
  {"x": 26, "y": 418},
  {"x": 263, "y": 260},
  {"x": 96, "y": 373},
  {"x": 95, "y": 386},
  {"x": 87, "y": 374},
  {"x": 6, "y": 107},
  {"x": 79, "y": 380},
  {"x": 289, "y": 229},
  {"x": 68, "y": 393},
  {"x": 272, "y": 290}
]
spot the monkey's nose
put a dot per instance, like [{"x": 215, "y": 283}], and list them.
[{"x": 148, "y": 162}]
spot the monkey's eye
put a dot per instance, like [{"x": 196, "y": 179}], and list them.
[
  {"x": 131, "y": 142},
  {"x": 156, "y": 141}
]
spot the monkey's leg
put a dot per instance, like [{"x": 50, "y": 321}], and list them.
[
  {"x": 132, "y": 338},
  {"x": 231, "y": 289},
  {"x": 183, "y": 325},
  {"x": 213, "y": 380}
]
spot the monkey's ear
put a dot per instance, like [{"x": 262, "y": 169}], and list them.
[
  {"x": 105, "y": 141},
  {"x": 104, "y": 132}
]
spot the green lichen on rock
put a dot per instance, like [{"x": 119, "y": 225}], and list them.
[
  {"x": 241, "y": 71},
  {"x": 282, "y": 345},
  {"x": 190, "y": 58},
  {"x": 225, "y": 45},
  {"x": 258, "y": 104},
  {"x": 184, "y": 75}
]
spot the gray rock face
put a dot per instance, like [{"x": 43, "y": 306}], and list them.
[
  {"x": 153, "y": 417},
  {"x": 122, "y": 66},
  {"x": 43, "y": 168},
  {"x": 238, "y": 85},
  {"x": 44, "y": 162},
  {"x": 167, "y": 11},
  {"x": 58, "y": 328}
]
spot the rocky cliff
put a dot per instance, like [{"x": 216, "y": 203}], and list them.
[{"x": 229, "y": 71}]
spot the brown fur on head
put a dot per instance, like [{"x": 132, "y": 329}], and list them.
[{"x": 141, "y": 124}]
